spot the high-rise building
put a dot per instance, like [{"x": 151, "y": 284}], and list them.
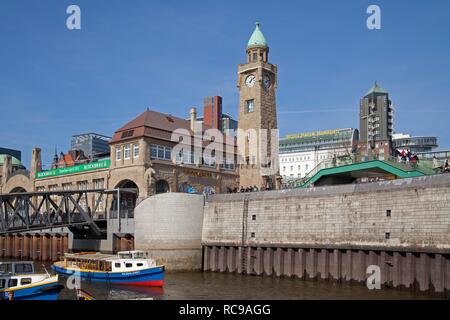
[
  {"x": 212, "y": 114},
  {"x": 257, "y": 82},
  {"x": 214, "y": 118},
  {"x": 376, "y": 124}
]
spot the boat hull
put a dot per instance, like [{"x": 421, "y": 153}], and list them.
[{"x": 151, "y": 277}]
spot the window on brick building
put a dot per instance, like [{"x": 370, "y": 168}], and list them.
[{"x": 249, "y": 106}]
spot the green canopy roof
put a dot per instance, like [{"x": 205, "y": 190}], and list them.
[
  {"x": 376, "y": 89},
  {"x": 257, "y": 39},
  {"x": 15, "y": 161}
]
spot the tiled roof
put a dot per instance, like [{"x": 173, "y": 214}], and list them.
[
  {"x": 150, "y": 123},
  {"x": 156, "y": 125},
  {"x": 157, "y": 120}
]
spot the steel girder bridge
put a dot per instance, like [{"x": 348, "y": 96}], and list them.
[{"x": 84, "y": 212}]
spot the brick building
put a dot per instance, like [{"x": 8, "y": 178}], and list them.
[{"x": 141, "y": 158}]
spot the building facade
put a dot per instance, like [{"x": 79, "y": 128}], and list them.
[
  {"x": 257, "y": 83},
  {"x": 301, "y": 153}
]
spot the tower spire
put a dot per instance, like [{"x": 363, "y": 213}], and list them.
[{"x": 257, "y": 38}]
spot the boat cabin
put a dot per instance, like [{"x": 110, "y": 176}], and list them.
[
  {"x": 13, "y": 281},
  {"x": 15, "y": 277},
  {"x": 124, "y": 261}
]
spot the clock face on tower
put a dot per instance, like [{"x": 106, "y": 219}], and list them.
[
  {"x": 266, "y": 81},
  {"x": 250, "y": 80}
]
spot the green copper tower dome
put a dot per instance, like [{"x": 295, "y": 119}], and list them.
[{"x": 257, "y": 39}]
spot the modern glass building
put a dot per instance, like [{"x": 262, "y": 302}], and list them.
[
  {"x": 300, "y": 153},
  {"x": 414, "y": 144},
  {"x": 92, "y": 144}
]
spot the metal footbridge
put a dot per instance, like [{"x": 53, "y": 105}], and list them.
[{"x": 82, "y": 211}]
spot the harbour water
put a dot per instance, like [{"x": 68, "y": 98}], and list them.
[{"x": 222, "y": 286}]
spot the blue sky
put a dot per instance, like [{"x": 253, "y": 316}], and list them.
[{"x": 168, "y": 55}]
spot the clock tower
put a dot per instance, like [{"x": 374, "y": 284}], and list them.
[{"x": 257, "y": 137}]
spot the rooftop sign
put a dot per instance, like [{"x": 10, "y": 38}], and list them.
[
  {"x": 314, "y": 134},
  {"x": 103, "y": 164}
]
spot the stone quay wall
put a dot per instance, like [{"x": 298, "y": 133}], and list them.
[{"x": 335, "y": 233}]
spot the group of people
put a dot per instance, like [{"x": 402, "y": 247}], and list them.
[
  {"x": 243, "y": 189},
  {"x": 405, "y": 156}
]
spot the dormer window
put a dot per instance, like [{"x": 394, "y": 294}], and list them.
[{"x": 127, "y": 134}]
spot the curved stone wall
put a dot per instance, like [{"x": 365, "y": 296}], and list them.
[{"x": 169, "y": 227}]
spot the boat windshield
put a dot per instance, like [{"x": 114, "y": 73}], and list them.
[
  {"x": 5, "y": 268},
  {"x": 23, "y": 268}
]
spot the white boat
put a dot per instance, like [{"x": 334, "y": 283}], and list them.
[{"x": 18, "y": 281}]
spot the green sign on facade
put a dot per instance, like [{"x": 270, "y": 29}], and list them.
[{"x": 103, "y": 164}]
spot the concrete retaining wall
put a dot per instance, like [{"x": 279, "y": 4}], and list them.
[
  {"x": 169, "y": 227},
  {"x": 402, "y": 218},
  {"x": 408, "y": 213}
]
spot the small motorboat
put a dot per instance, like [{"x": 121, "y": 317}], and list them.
[
  {"x": 18, "y": 281},
  {"x": 125, "y": 268}
]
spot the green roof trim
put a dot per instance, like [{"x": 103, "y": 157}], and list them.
[
  {"x": 384, "y": 165},
  {"x": 376, "y": 89},
  {"x": 257, "y": 39},
  {"x": 15, "y": 161}
]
